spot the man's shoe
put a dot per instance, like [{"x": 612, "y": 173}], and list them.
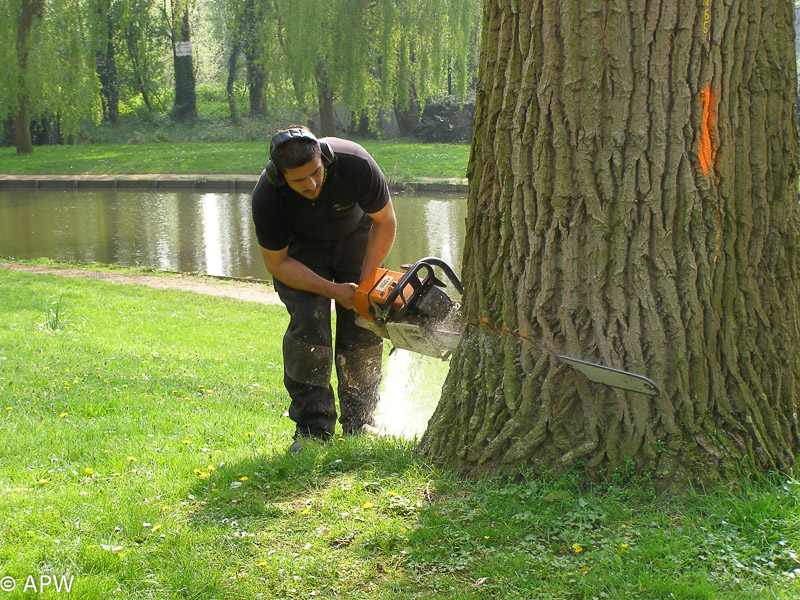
[{"x": 301, "y": 440}]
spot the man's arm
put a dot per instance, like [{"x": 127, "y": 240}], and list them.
[
  {"x": 381, "y": 239},
  {"x": 296, "y": 275}
]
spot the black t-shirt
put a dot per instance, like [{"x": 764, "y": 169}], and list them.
[{"x": 354, "y": 187}]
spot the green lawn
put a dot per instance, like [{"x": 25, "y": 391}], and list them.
[
  {"x": 400, "y": 161},
  {"x": 143, "y": 456}
]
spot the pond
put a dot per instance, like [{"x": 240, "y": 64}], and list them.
[{"x": 190, "y": 231}]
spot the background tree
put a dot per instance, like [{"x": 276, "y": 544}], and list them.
[
  {"x": 144, "y": 36},
  {"x": 633, "y": 201},
  {"x": 363, "y": 55},
  {"x": 30, "y": 11},
  {"x": 185, "y": 105},
  {"x": 106, "y": 29},
  {"x": 47, "y": 69}
]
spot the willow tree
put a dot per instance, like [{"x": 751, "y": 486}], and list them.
[
  {"x": 47, "y": 58},
  {"x": 185, "y": 103},
  {"x": 366, "y": 55},
  {"x": 107, "y": 23},
  {"x": 633, "y": 202},
  {"x": 145, "y": 34}
]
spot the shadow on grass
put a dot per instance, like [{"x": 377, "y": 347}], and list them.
[
  {"x": 248, "y": 485},
  {"x": 354, "y": 501}
]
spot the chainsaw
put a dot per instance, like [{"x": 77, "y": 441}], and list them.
[{"x": 414, "y": 312}]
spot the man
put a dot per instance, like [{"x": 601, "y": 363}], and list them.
[{"x": 324, "y": 219}]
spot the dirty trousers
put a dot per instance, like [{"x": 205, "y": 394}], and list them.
[{"x": 308, "y": 355}]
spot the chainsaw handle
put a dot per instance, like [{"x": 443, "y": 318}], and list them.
[{"x": 411, "y": 278}]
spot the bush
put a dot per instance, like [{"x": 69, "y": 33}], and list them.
[{"x": 447, "y": 120}]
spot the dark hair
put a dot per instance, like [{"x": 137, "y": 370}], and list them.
[{"x": 296, "y": 151}]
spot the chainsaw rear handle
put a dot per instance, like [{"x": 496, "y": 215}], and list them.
[{"x": 410, "y": 278}]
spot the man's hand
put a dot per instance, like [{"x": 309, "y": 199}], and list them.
[{"x": 345, "y": 294}]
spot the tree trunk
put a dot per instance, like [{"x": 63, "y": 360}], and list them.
[
  {"x": 22, "y": 131},
  {"x": 138, "y": 66},
  {"x": 327, "y": 116},
  {"x": 633, "y": 202},
  {"x": 185, "y": 108},
  {"x": 107, "y": 68},
  {"x": 256, "y": 80},
  {"x": 31, "y": 10},
  {"x": 408, "y": 116},
  {"x": 254, "y": 15},
  {"x": 233, "y": 60}
]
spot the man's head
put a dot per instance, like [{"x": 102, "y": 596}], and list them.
[{"x": 298, "y": 159}]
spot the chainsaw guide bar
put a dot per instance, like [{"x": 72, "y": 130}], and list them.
[{"x": 413, "y": 311}]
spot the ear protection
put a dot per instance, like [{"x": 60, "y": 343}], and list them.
[{"x": 274, "y": 176}]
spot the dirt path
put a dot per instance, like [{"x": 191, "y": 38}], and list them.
[{"x": 237, "y": 289}]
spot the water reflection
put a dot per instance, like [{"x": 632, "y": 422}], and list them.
[{"x": 186, "y": 230}]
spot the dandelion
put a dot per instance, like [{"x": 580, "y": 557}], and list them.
[
  {"x": 155, "y": 528},
  {"x": 577, "y": 548},
  {"x": 186, "y": 442},
  {"x": 131, "y": 459},
  {"x": 368, "y": 505},
  {"x": 88, "y": 471},
  {"x": 62, "y": 415},
  {"x": 242, "y": 478},
  {"x": 305, "y": 511},
  {"x": 211, "y": 468}
]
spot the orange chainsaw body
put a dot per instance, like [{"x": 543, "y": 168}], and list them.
[{"x": 371, "y": 295}]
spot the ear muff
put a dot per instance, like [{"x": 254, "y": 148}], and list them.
[{"x": 274, "y": 176}]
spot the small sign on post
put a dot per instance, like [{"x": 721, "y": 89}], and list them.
[{"x": 183, "y": 49}]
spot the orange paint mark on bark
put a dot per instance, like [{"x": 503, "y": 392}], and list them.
[{"x": 705, "y": 152}]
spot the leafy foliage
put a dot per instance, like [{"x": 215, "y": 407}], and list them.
[
  {"x": 369, "y": 55},
  {"x": 51, "y": 72}
]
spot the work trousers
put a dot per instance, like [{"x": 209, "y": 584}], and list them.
[{"x": 308, "y": 350}]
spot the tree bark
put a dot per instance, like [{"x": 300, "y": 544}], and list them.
[
  {"x": 185, "y": 107},
  {"x": 633, "y": 202},
  {"x": 107, "y": 67},
  {"x": 255, "y": 14},
  {"x": 233, "y": 60},
  {"x": 408, "y": 116},
  {"x": 256, "y": 80},
  {"x": 327, "y": 115},
  {"x": 31, "y": 10}
]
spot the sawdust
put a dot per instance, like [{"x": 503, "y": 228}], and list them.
[{"x": 243, "y": 290}]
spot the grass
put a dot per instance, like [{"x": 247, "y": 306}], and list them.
[
  {"x": 401, "y": 161},
  {"x": 143, "y": 456}
]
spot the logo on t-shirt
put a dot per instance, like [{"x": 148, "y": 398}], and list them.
[{"x": 340, "y": 208}]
